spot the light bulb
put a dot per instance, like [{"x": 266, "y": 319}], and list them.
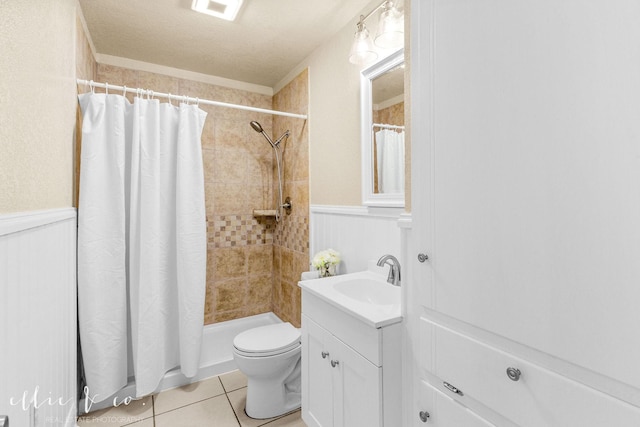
[
  {"x": 390, "y": 32},
  {"x": 362, "y": 50}
]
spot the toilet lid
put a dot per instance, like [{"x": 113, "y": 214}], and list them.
[{"x": 270, "y": 339}]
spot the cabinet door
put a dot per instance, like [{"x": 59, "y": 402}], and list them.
[
  {"x": 317, "y": 390},
  {"x": 357, "y": 388}
]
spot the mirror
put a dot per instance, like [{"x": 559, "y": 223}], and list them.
[{"x": 382, "y": 132}]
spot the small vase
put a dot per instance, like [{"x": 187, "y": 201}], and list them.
[{"x": 329, "y": 270}]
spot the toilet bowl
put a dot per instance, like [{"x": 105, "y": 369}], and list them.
[{"x": 270, "y": 358}]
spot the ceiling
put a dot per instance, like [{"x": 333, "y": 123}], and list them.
[{"x": 266, "y": 41}]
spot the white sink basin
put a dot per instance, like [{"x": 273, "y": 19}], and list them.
[
  {"x": 365, "y": 295},
  {"x": 368, "y": 291}
]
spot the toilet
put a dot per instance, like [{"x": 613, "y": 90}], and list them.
[{"x": 270, "y": 358}]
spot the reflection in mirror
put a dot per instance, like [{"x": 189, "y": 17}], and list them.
[
  {"x": 382, "y": 128},
  {"x": 387, "y": 93}
]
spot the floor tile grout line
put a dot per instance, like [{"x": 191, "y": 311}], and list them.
[
  {"x": 153, "y": 402},
  {"x": 232, "y": 408},
  {"x": 278, "y": 418}
]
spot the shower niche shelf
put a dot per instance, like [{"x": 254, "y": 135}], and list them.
[{"x": 260, "y": 213}]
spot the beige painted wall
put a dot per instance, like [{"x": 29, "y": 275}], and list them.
[
  {"x": 37, "y": 104},
  {"x": 334, "y": 118}
]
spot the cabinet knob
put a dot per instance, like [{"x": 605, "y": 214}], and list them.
[
  {"x": 424, "y": 416},
  {"x": 423, "y": 257},
  {"x": 324, "y": 354},
  {"x": 513, "y": 373},
  {"x": 334, "y": 363}
]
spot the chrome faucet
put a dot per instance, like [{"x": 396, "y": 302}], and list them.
[{"x": 394, "y": 270}]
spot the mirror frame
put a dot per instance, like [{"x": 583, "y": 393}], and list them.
[{"x": 369, "y": 198}]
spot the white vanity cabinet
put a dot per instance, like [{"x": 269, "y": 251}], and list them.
[{"x": 351, "y": 371}]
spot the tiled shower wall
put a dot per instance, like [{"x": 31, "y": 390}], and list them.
[
  {"x": 291, "y": 243},
  {"x": 238, "y": 179},
  {"x": 392, "y": 115}
]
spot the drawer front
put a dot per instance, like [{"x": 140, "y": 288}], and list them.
[
  {"x": 438, "y": 410},
  {"x": 535, "y": 396}
]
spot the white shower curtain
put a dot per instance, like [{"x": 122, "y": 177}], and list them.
[
  {"x": 141, "y": 241},
  {"x": 390, "y": 159}
]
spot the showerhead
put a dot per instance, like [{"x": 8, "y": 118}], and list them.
[{"x": 256, "y": 126}]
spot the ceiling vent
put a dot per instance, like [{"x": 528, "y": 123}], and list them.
[{"x": 225, "y": 9}]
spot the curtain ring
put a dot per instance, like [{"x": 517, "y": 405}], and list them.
[
  {"x": 106, "y": 88},
  {"x": 153, "y": 94},
  {"x": 197, "y": 102},
  {"x": 124, "y": 91},
  {"x": 169, "y": 98},
  {"x": 92, "y": 87}
]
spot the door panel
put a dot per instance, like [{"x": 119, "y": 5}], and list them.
[
  {"x": 357, "y": 384},
  {"x": 317, "y": 390}
]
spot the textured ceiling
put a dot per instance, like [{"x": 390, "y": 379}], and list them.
[{"x": 266, "y": 41}]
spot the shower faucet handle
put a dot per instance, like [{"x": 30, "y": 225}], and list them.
[
  {"x": 324, "y": 354},
  {"x": 287, "y": 205}
]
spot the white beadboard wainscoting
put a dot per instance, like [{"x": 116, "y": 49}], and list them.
[
  {"x": 359, "y": 233},
  {"x": 38, "y": 318}
]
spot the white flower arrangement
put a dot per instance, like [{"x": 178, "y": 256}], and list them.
[{"x": 326, "y": 262}]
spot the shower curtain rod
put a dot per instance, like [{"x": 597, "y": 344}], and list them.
[
  {"x": 187, "y": 98},
  {"x": 382, "y": 125}
]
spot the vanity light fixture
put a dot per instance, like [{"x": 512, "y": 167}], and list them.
[
  {"x": 362, "y": 50},
  {"x": 390, "y": 34},
  {"x": 225, "y": 9}
]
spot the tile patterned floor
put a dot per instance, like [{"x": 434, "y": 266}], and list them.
[{"x": 215, "y": 402}]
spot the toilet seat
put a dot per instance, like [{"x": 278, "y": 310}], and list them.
[{"x": 267, "y": 340}]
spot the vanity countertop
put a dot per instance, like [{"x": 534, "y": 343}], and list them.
[{"x": 365, "y": 295}]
